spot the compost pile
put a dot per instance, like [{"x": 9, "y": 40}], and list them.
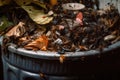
[{"x": 37, "y": 27}]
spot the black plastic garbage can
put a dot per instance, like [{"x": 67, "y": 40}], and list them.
[
  {"x": 1, "y": 66},
  {"x": 21, "y": 64}
]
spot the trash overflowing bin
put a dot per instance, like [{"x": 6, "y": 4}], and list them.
[
  {"x": 60, "y": 41},
  {"x": 21, "y": 64}
]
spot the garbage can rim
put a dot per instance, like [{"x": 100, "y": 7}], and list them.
[{"x": 55, "y": 55}]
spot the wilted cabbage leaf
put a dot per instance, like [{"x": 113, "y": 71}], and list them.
[
  {"x": 23, "y": 2},
  {"x": 37, "y": 15},
  {"x": 39, "y": 3}
]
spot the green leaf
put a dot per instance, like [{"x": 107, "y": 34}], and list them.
[
  {"x": 37, "y": 15},
  {"x": 41, "y": 4},
  {"x": 4, "y": 23},
  {"x": 23, "y": 2}
]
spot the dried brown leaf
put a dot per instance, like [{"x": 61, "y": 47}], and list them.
[
  {"x": 17, "y": 30},
  {"x": 62, "y": 58},
  {"x": 41, "y": 43},
  {"x": 83, "y": 47}
]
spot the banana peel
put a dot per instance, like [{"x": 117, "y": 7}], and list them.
[{"x": 37, "y": 15}]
